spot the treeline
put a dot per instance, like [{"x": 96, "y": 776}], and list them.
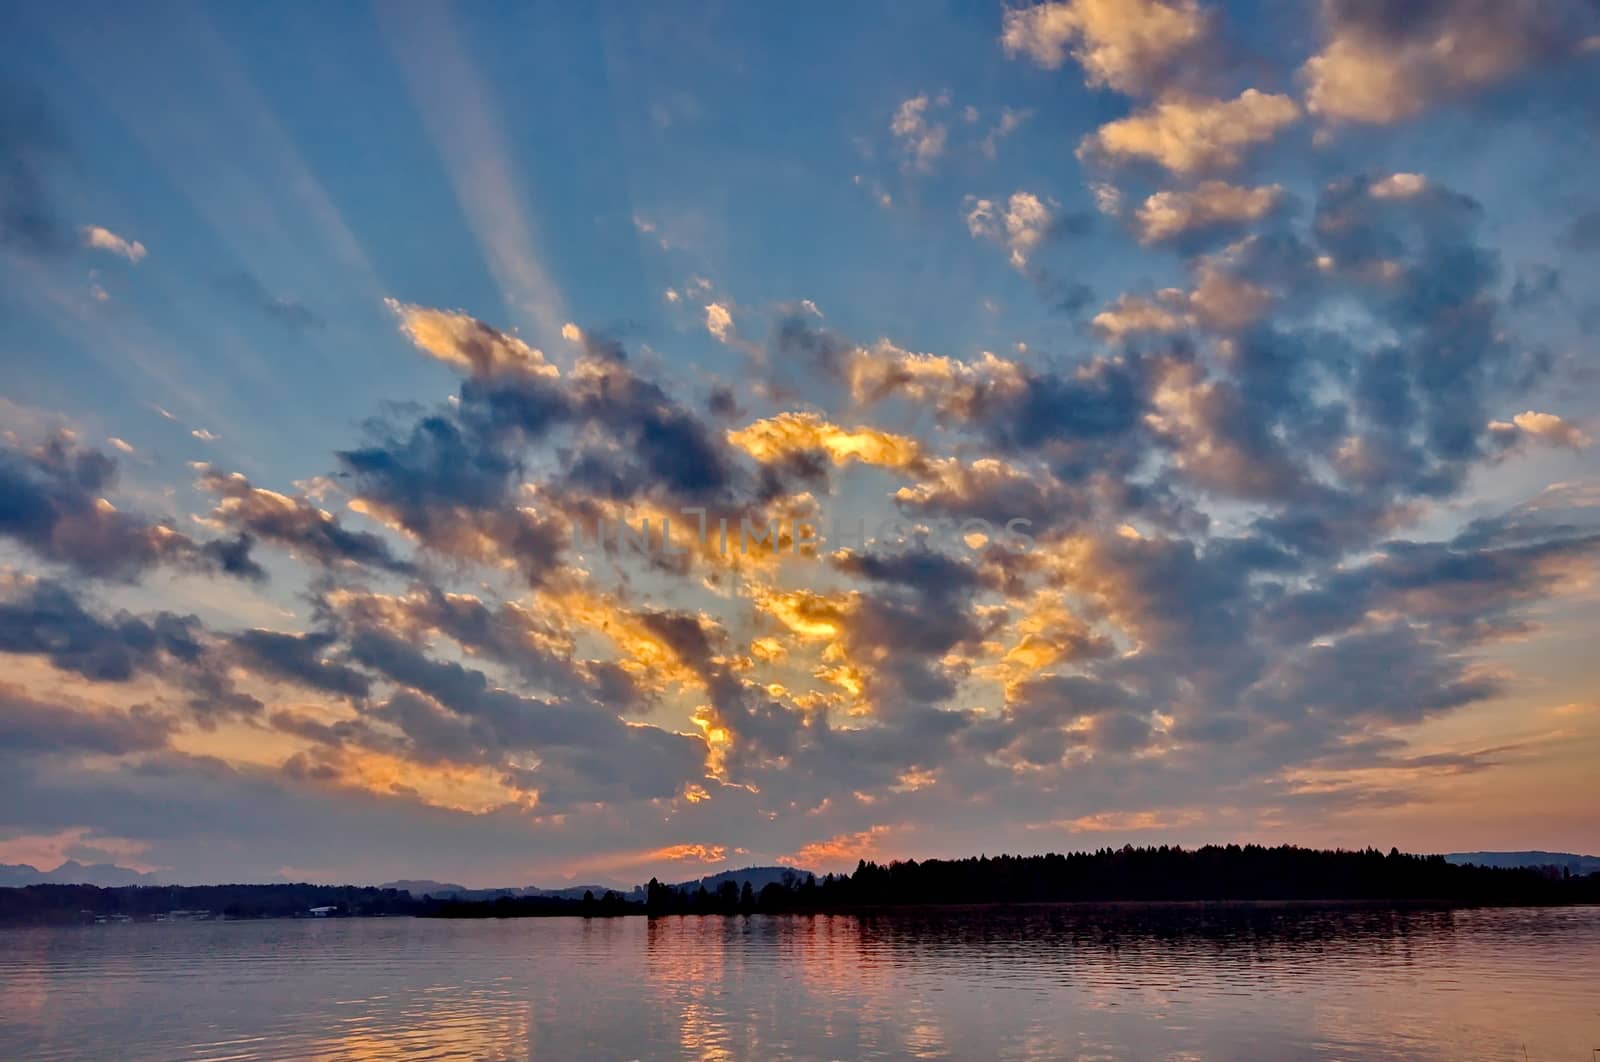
[
  {"x": 1164, "y": 874},
  {"x": 69, "y": 904},
  {"x": 61, "y": 904},
  {"x": 607, "y": 905},
  {"x": 1170, "y": 874}
]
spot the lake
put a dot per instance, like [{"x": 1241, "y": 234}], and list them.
[{"x": 1060, "y": 982}]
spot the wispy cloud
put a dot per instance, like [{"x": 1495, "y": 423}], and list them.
[{"x": 102, "y": 239}]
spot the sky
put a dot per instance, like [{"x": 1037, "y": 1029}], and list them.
[{"x": 1075, "y": 425}]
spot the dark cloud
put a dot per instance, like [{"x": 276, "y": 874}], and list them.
[
  {"x": 450, "y": 478},
  {"x": 52, "y": 501},
  {"x": 797, "y": 339},
  {"x": 648, "y": 445},
  {"x": 585, "y": 752},
  {"x": 532, "y": 645},
  {"x": 32, "y": 727},
  {"x": 1463, "y": 590},
  {"x": 45, "y": 618},
  {"x": 722, "y": 402},
  {"x": 299, "y": 658},
  {"x": 297, "y": 525},
  {"x": 916, "y": 608},
  {"x": 1067, "y": 296},
  {"x": 451, "y": 487},
  {"x": 290, "y": 313},
  {"x": 685, "y": 635},
  {"x": 922, "y": 570},
  {"x": 338, "y": 733},
  {"x": 436, "y": 464},
  {"x": 1387, "y": 675}
]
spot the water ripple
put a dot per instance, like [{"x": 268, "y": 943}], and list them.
[{"x": 1176, "y": 982}]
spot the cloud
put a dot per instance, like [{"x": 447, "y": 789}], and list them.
[
  {"x": 1208, "y": 206},
  {"x": 37, "y": 728},
  {"x": 842, "y": 851},
  {"x": 45, "y": 618},
  {"x": 292, "y": 314},
  {"x": 1189, "y": 135},
  {"x": 102, "y": 239},
  {"x": 42, "y": 618},
  {"x": 299, "y": 658},
  {"x": 1390, "y": 675},
  {"x": 1545, "y": 427},
  {"x": 1381, "y": 64},
  {"x": 695, "y": 853},
  {"x": 585, "y": 753},
  {"x": 295, "y": 524},
  {"x": 1220, "y": 301},
  {"x": 1021, "y": 224},
  {"x": 921, "y": 139},
  {"x": 718, "y": 321},
  {"x": 1398, "y": 186},
  {"x": 52, "y": 500},
  {"x": 466, "y": 342},
  {"x": 1010, "y": 121},
  {"x": 1132, "y": 314},
  {"x": 530, "y": 644},
  {"x": 448, "y": 477},
  {"x": 1241, "y": 478},
  {"x": 1132, "y": 46},
  {"x": 782, "y": 437}
]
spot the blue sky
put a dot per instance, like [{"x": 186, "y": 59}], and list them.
[{"x": 1261, "y": 311}]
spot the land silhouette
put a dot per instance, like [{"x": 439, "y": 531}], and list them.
[{"x": 1164, "y": 874}]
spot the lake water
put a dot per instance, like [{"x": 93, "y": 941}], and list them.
[{"x": 1142, "y": 983}]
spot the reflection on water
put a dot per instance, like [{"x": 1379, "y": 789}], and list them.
[{"x": 1182, "y": 983}]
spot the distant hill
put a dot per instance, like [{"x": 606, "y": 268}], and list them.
[
  {"x": 424, "y": 887},
  {"x": 105, "y": 875},
  {"x": 1577, "y": 864},
  {"x": 758, "y": 877},
  {"x": 419, "y": 889},
  {"x": 575, "y": 892}
]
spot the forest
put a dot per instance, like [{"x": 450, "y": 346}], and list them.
[
  {"x": 1236, "y": 873},
  {"x": 1164, "y": 874}
]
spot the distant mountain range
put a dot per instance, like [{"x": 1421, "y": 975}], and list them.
[
  {"x": 109, "y": 876},
  {"x": 758, "y": 877},
  {"x": 105, "y": 875},
  {"x": 421, "y": 888},
  {"x": 1577, "y": 864}
]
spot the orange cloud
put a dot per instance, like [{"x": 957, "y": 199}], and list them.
[
  {"x": 465, "y": 342},
  {"x": 689, "y": 853},
  {"x": 1129, "y": 821},
  {"x": 1192, "y": 135},
  {"x": 786, "y": 434},
  {"x": 840, "y": 850}
]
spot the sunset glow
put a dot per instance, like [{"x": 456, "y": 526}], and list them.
[{"x": 1175, "y": 423}]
